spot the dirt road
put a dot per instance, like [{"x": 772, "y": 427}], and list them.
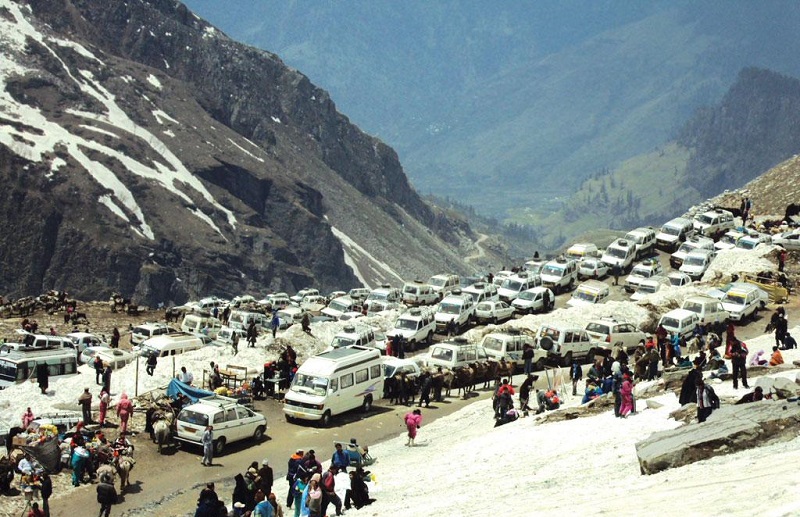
[{"x": 168, "y": 485}]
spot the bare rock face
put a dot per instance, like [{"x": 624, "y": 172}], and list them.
[{"x": 728, "y": 429}]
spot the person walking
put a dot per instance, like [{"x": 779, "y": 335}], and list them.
[
  {"x": 615, "y": 272},
  {"x": 426, "y": 383},
  {"x": 275, "y": 323},
  {"x": 707, "y": 400},
  {"x": 124, "y": 410},
  {"x": 527, "y": 357},
  {"x": 739, "y": 362},
  {"x": 293, "y": 474},
  {"x": 235, "y": 342},
  {"x": 265, "y": 477},
  {"x": 252, "y": 334},
  {"x": 45, "y": 492},
  {"x": 106, "y": 495},
  {"x": 208, "y": 446},
  {"x": 104, "y": 399},
  {"x": 85, "y": 402},
  {"x": 329, "y": 495},
  {"x": 115, "y": 336},
  {"x": 314, "y": 498},
  {"x": 152, "y": 362},
  {"x": 413, "y": 422},
  {"x": 575, "y": 374},
  {"x": 782, "y": 255}
]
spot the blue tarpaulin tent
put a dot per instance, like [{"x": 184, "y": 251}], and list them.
[{"x": 176, "y": 387}]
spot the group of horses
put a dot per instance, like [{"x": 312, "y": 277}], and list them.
[
  {"x": 403, "y": 388},
  {"x": 51, "y": 301}
]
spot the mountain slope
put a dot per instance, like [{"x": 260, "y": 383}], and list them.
[
  {"x": 508, "y": 106},
  {"x": 144, "y": 151}
]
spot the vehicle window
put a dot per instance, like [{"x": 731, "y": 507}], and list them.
[
  {"x": 218, "y": 418},
  {"x": 230, "y": 415},
  {"x": 569, "y": 337},
  {"x": 362, "y": 375},
  {"x": 442, "y": 353},
  {"x": 471, "y": 355},
  {"x": 460, "y": 356},
  {"x": 242, "y": 413},
  {"x": 193, "y": 417},
  {"x": 375, "y": 371},
  {"x": 345, "y": 381},
  {"x": 598, "y": 328}
]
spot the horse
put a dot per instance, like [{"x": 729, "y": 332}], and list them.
[
  {"x": 162, "y": 432},
  {"x": 124, "y": 464}
]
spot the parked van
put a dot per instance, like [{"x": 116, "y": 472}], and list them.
[
  {"x": 509, "y": 346},
  {"x": 225, "y": 336},
  {"x": 242, "y": 319},
  {"x": 354, "y": 335},
  {"x": 289, "y": 316},
  {"x": 679, "y": 321},
  {"x": 173, "y": 344},
  {"x": 43, "y": 341},
  {"x": 513, "y": 285},
  {"x": 694, "y": 243},
  {"x": 415, "y": 326},
  {"x": 383, "y": 298},
  {"x": 696, "y": 263},
  {"x": 751, "y": 242},
  {"x": 709, "y": 310},
  {"x": 19, "y": 366},
  {"x": 650, "y": 286},
  {"x": 564, "y": 343},
  {"x": 744, "y": 300},
  {"x": 147, "y": 330},
  {"x": 232, "y": 422},
  {"x": 80, "y": 340},
  {"x": 481, "y": 291},
  {"x": 341, "y": 305},
  {"x": 454, "y": 307},
  {"x": 673, "y": 233},
  {"x": 560, "y": 275},
  {"x": 729, "y": 240},
  {"x": 620, "y": 253},
  {"x": 443, "y": 284},
  {"x": 642, "y": 271},
  {"x": 419, "y": 293},
  {"x": 644, "y": 239},
  {"x": 206, "y": 325},
  {"x": 589, "y": 293},
  {"x": 453, "y": 354},
  {"x": 713, "y": 223},
  {"x": 582, "y": 250},
  {"x": 333, "y": 382}
]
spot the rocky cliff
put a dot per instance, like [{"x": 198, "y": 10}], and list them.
[{"x": 144, "y": 151}]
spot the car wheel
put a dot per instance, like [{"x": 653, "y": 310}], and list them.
[
  {"x": 429, "y": 339},
  {"x": 539, "y": 364},
  {"x": 259, "y": 434},
  {"x": 325, "y": 421},
  {"x": 567, "y": 360},
  {"x": 219, "y": 446},
  {"x": 289, "y": 418},
  {"x": 367, "y": 404},
  {"x": 494, "y": 320}
]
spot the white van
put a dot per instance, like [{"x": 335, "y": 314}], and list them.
[
  {"x": 560, "y": 275},
  {"x": 454, "y": 307},
  {"x": 695, "y": 243},
  {"x": 513, "y": 285},
  {"x": 509, "y": 346},
  {"x": 333, "y": 382},
  {"x": 418, "y": 293},
  {"x": 443, "y": 284},
  {"x": 457, "y": 353},
  {"x": 744, "y": 300},
  {"x": 679, "y": 321},
  {"x": 709, "y": 310},
  {"x": 415, "y": 326},
  {"x": 147, "y": 330},
  {"x": 354, "y": 335},
  {"x": 696, "y": 263},
  {"x": 644, "y": 239},
  {"x": 232, "y": 422},
  {"x": 241, "y": 320},
  {"x": 673, "y": 233},
  {"x": 19, "y": 366},
  {"x": 642, "y": 271},
  {"x": 173, "y": 344},
  {"x": 620, "y": 253},
  {"x": 481, "y": 292},
  {"x": 341, "y": 305},
  {"x": 713, "y": 223},
  {"x": 589, "y": 293},
  {"x": 197, "y": 324}
]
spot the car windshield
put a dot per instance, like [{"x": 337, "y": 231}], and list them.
[
  {"x": 484, "y": 307},
  {"x": 405, "y": 324},
  {"x": 686, "y": 248},
  {"x": 303, "y": 383},
  {"x": 378, "y": 295},
  {"x": 588, "y": 296},
  {"x": 410, "y": 289},
  {"x": 553, "y": 270},
  {"x": 633, "y": 237},
  {"x": 193, "y": 417},
  {"x": 492, "y": 343},
  {"x": 341, "y": 342},
  {"x": 527, "y": 295},
  {"x": 444, "y": 354},
  {"x": 617, "y": 252},
  {"x": 695, "y": 260},
  {"x": 589, "y": 264},
  {"x": 472, "y": 295},
  {"x": 511, "y": 284},
  {"x": 669, "y": 322},
  {"x": 437, "y": 282},
  {"x": 730, "y": 239},
  {"x": 746, "y": 244},
  {"x": 735, "y": 298},
  {"x": 693, "y": 306},
  {"x": 449, "y": 308},
  {"x": 670, "y": 230},
  {"x": 643, "y": 271},
  {"x": 703, "y": 218}
]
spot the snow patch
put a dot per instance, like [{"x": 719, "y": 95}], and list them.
[
  {"x": 245, "y": 151},
  {"x": 154, "y": 81},
  {"x": 158, "y": 114},
  {"x": 351, "y": 249},
  {"x": 276, "y": 119}
]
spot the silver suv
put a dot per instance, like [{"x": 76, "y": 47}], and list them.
[
  {"x": 610, "y": 331},
  {"x": 232, "y": 422}
]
